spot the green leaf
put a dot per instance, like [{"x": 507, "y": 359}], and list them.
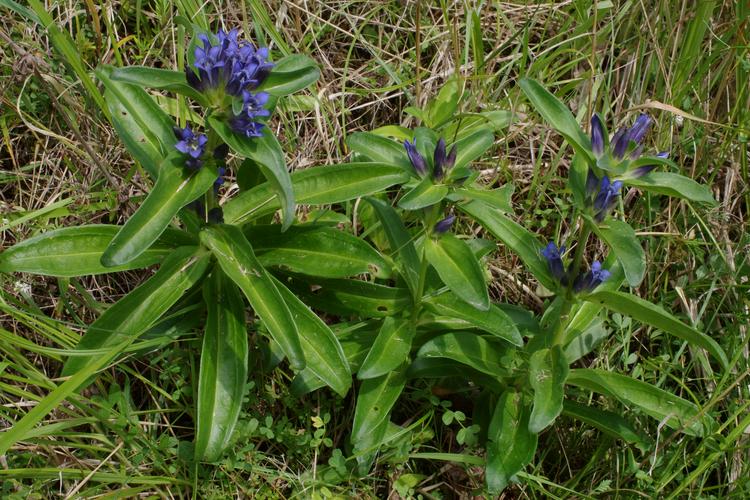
[
  {"x": 585, "y": 341},
  {"x": 174, "y": 189},
  {"x": 317, "y": 186},
  {"x": 606, "y": 421},
  {"x": 290, "y": 74},
  {"x": 380, "y": 149},
  {"x": 548, "y": 370},
  {"x": 423, "y": 195},
  {"x": 653, "y": 315},
  {"x": 372, "y": 414},
  {"x": 267, "y": 154},
  {"x": 365, "y": 299},
  {"x": 76, "y": 251},
  {"x": 493, "y": 321},
  {"x": 673, "y": 185},
  {"x": 472, "y": 147},
  {"x": 664, "y": 406},
  {"x": 470, "y": 349},
  {"x": 131, "y": 316},
  {"x": 445, "y": 368},
  {"x": 324, "y": 356},
  {"x": 223, "y": 367},
  {"x": 390, "y": 349},
  {"x": 316, "y": 250},
  {"x": 157, "y": 78},
  {"x": 558, "y": 116},
  {"x": 510, "y": 444},
  {"x": 400, "y": 242},
  {"x": 445, "y": 104},
  {"x": 237, "y": 259},
  {"x": 499, "y": 198},
  {"x": 458, "y": 268},
  {"x": 514, "y": 236},
  {"x": 621, "y": 239}
]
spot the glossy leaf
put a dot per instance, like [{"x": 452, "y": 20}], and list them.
[
  {"x": 380, "y": 149},
  {"x": 445, "y": 368},
  {"x": 316, "y": 186},
  {"x": 469, "y": 349},
  {"x": 76, "y": 251},
  {"x": 585, "y": 341},
  {"x": 621, "y": 239},
  {"x": 375, "y": 400},
  {"x": 514, "y": 236},
  {"x": 651, "y": 314},
  {"x": 472, "y": 147},
  {"x": 444, "y": 105},
  {"x": 510, "y": 444},
  {"x": 390, "y": 349},
  {"x": 267, "y": 154},
  {"x": 664, "y": 406},
  {"x": 499, "y": 198},
  {"x": 365, "y": 299},
  {"x": 290, "y": 74},
  {"x": 237, "y": 259},
  {"x": 400, "y": 242},
  {"x": 459, "y": 269},
  {"x": 674, "y": 185},
  {"x": 316, "y": 250},
  {"x": 493, "y": 321},
  {"x": 157, "y": 78},
  {"x": 223, "y": 367},
  {"x": 134, "y": 314},
  {"x": 324, "y": 356},
  {"x": 174, "y": 189},
  {"x": 423, "y": 195},
  {"x": 556, "y": 114},
  {"x": 606, "y": 421},
  {"x": 548, "y": 369}
]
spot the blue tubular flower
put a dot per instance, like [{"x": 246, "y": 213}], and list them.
[
  {"x": 246, "y": 122},
  {"x": 443, "y": 161},
  {"x": 586, "y": 282},
  {"x": 416, "y": 159},
  {"x": 635, "y": 134},
  {"x": 606, "y": 198},
  {"x": 597, "y": 136},
  {"x": 554, "y": 261},
  {"x": 230, "y": 64},
  {"x": 444, "y": 225},
  {"x": 192, "y": 145}
]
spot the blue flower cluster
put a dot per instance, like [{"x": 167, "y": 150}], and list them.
[
  {"x": 237, "y": 68},
  {"x": 442, "y": 160},
  {"x": 584, "y": 282}
]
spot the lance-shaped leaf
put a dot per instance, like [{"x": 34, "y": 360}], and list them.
[
  {"x": 499, "y": 198},
  {"x": 675, "y": 185},
  {"x": 316, "y": 186},
  {"x": 372, "y": 414},
  {"x": 135, "y": 313},
  {"x": 174, "y": 189},
  {"x": 472, "y": 147},
  {"x": 469, "y": 349},
  {"x": 548, "y": 369},
  {"x": 316, "y": 250},
  {"x": 444, "y": 105},
  {"x": 607, "y": 422},
  {"x": 77, "y": 251},
  {"x": 237, "y": 259},
  {"x": 514, "y": 236},
  {"x": 621, "y": 239},
  {"x": 423, "y": 195},
  {"x": 380, "y": 149},
  {"x": 157, "y": 78},
  {"x": 494, "y": 320},
  {"x": 365, "y": 299},
  {"x": 651, "y": 314},
  {"x": 390, "y": 349},
  {"x": 510, "y": 444},
  {"x": 223, "y": 367},
  {"x": 266, "y": 152},
  {"x": 458, "y": 268},
  {"x": 324, "y": 356},
  {"x": 556, "y": 114},
  {"x": 290, "y": 74},
  {"x": 664, "y": 406},
  {"x": 400, "y": 242}
]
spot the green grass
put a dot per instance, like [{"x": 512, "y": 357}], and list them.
[{"x": 130, "y": 433}]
